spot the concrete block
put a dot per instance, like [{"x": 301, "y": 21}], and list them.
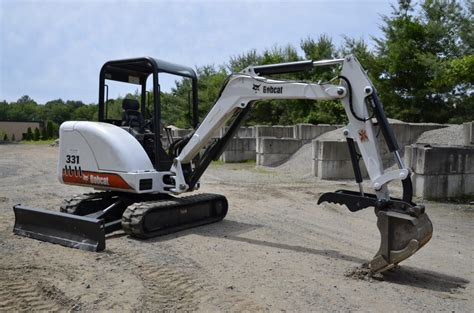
[
  {"x": 335, "y": 169},
  {"x": 443, "y": 187},
  {"x": 431, "y": 160},
  {"x": 277, "y": 145},
  {"x": 274, "y": 131},
  {"x": 331, "y": 150},
  {"x": 309, "y": 131},
  {"x": 274, "y": 151},
  {"x": 469, "y": 133},
  {"x": 441, "y": 172},
  {"x": 242, "y": 132},
  {"x": 239, "y": 150},
  {"x": 179, "y": 133}
]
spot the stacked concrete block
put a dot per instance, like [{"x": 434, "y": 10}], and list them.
[
  {"x": 469, "y": 133},
  {"x": 242, "y": 132},
  {"x": 179, "y": 133},
  {"x": 332, "y": 160},
  {"x": 276, "y": 131},
  {"x": 274, "y": 151},
  {"x": 239, "y": 150},
  {"x": 308, "y": 132},
  {"x": 441, "y": 172},
  {"x": 331, "y": 155}
]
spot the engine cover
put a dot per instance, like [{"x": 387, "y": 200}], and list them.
[{"x": 104, "y": 156}]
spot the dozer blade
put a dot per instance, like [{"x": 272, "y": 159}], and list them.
[
  {"x": 80, "y": 232},
  {"x": 401, "y": 236}
]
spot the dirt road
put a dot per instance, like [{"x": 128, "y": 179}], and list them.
[{"x": 275, "y": 251}]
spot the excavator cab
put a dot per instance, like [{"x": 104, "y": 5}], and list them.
[{"x": 142, "y": 117}]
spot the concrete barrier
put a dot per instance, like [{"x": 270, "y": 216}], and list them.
[
  {"x": 239, "y": 150},
  {"x": 274, "y": 151},
  {"x": 276, "y": 131},
  {"x": 331, "y": 159},
  {"x": 179, "y": 132},
  {"x": 441, "y": 172},
  {"x": 242, "y": 132},
  {"x": 469, "y": 133},
  {"x": 308, "y": 132}
]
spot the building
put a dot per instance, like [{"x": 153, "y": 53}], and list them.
[{"x": 17, "y": 128}]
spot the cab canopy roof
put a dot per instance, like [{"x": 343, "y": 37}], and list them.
[{"x": 137, "y": 70}]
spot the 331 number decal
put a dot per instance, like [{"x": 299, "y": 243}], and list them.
[{"x": 72, "y": 159}]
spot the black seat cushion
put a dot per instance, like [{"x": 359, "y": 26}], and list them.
[
  {"x": 130, "y": 104},
  {"x": 131, "y": 116}
]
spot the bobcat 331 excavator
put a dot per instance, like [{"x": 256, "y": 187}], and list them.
[{"x": 140, "y": 181}]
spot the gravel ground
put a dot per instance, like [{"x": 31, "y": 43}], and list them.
[
  {"x": 275, "y": 251},
  {"x": 452, "y": 135}
]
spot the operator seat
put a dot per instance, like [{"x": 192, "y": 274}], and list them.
[{"x": 131, "y": 116}]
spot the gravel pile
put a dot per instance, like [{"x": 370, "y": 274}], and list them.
[
  {"x": 333, "y": 135},
  {"x": 301, "y": 162},
  {"x": 452, "y": 135}
]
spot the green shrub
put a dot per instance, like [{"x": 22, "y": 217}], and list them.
[
  {"x": 37, "y": 134},
  {"x": 29, "y": 134}
]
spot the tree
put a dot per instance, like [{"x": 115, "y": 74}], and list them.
[
  {"x": 417, "y": 50},
  {"x": 5, "y": 137},
  {"x": 44, "y": 134},
  {"x": 37, "y": 134},
  {"x": 84, "y": 113},
  {"x": 50, "y": 129},
  {"x": 13, "y": 138},
  {"x": 29, "y": 134}
]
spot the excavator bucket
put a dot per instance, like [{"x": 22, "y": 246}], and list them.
[
  {"x": 80, "y": 232},
  {"x": 401, "y": 236},
  {"x": 404, "y": 227}
]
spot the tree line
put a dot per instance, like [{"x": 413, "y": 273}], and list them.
[{"x": 422, "y": 67}]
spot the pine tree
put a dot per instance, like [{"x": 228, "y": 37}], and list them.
[
  {"x": 29, "y": 134},
  {"x": 5, "y": 137},
  {"x": 44, "y": 134},
  {"x": 37, "y": 134},
  {"x": 50, "y": 129}
]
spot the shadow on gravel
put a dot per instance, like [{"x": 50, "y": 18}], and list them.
[
  {"x": 231, "y": 230},
  {"x": 416, "y": 277},
  {"x": 324, "y": 252}
]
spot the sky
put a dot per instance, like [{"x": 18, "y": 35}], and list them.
[{"x": 55, "y": 49}]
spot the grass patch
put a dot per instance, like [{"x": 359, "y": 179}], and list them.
[
  {"x": 39, "y": 142},
  {"x": 220, "y": 162}
]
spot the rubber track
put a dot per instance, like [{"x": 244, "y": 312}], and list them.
[
  {"x": 71, "y": 205},
  {"x": 132, "y": 219}
]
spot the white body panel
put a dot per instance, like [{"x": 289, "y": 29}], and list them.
[{"x": 104, "y": 156}]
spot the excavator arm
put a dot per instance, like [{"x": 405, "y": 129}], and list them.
[{"x": 404, "y": 226}]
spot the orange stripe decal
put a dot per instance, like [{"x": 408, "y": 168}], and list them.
[{"x": 94, "y": 179}]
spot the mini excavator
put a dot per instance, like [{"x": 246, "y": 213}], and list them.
[{"x": 139, "y": 177}]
